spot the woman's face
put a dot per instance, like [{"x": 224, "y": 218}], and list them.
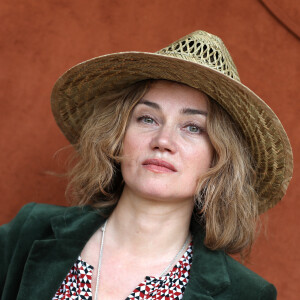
[{"x": 166, "y": 148}]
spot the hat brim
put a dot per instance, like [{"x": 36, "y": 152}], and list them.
[{"x": 74, "y": 92}]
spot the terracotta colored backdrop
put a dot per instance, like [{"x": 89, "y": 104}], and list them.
[{"x": 42, "y": 39}]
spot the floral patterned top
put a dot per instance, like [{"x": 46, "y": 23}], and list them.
[{"x": 77, "y": 284}]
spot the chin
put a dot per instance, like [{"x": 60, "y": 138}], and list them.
[
  {"x": 163, "y": 195},
  {"x": 159, "y": 190}
]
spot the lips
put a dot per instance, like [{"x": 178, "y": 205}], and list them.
[{"x": 160, "y": 166}]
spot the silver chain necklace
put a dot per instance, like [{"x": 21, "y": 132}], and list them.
[{"x": 101, "y": 254}]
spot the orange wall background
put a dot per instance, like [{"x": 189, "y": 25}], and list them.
[{"x": 42, "y": 39}]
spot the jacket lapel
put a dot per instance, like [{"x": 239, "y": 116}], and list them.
[
  {"x": 208, "y": 275},
  {"x": 49, "y": 261}
]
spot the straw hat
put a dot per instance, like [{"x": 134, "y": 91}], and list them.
[{"x": 199, "y": 60}]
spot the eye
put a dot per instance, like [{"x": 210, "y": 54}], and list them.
[
  {"x": 193, "y": 128},
  {"x": 146, "y": 120}
]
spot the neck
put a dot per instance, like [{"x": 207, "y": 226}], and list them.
[{"x": 142, "y": 225}]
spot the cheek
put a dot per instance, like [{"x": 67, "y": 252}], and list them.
[
  {"x": 130, "y": 143},
  {"x": 127, "y": 142},
  {"x": 207, "y": 152},
  {"x": 132, "y": 150},
  {"x": 200, "y": 158}
]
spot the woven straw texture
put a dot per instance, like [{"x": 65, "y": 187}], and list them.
[{"x": 199, "y": 60}]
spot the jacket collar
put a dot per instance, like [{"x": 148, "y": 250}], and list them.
[
  {"x": 77, "y": 223},
  {"x": 50, "y": 260}
]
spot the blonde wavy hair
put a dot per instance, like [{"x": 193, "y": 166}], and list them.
[{"x": 225, "y": 199}]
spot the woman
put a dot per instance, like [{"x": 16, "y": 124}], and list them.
[{"x": 175, "y": 160}]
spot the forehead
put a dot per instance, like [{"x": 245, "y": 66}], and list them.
[{"x": 173, "y": 93}]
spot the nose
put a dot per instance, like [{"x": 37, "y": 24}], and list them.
[{"x": 164, "y": 140}]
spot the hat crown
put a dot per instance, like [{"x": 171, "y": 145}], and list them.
[{"x": 203, "y": 48}]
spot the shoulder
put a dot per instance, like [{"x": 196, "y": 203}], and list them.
[
  {"x": 34, "y": 220},
  {"x": 31, "y": 211},
  {"x": 44, "y": 212},
  {"x": 39, "y": 211},
  {"x": 246, "y": 284},
  {"x": 35, "y": 212}
]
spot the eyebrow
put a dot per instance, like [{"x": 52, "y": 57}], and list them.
[
  {"x": 149, "y": 103},
  {"x": 185, "y": 111},
  {"x": 192, "y": 111}
]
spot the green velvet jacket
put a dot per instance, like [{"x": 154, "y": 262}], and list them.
[{"x": 40, "y": 245}]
